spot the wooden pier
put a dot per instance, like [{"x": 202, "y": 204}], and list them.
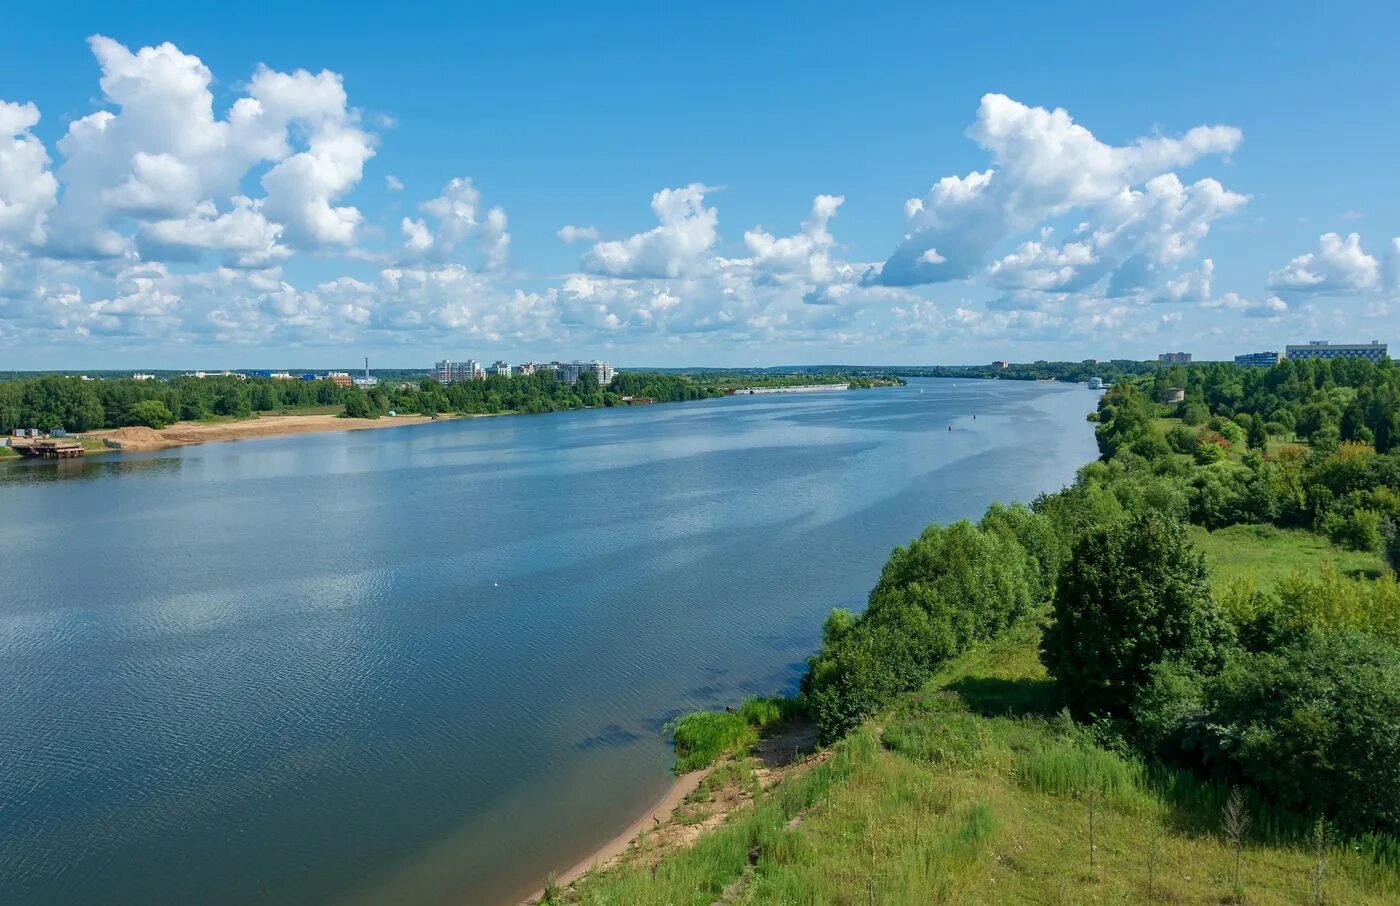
[{"x": 47, "y": 447}]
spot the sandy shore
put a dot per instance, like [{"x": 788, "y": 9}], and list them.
[
  {"x": 681, "y": 787},
  {"x": 184, "y": 433}
]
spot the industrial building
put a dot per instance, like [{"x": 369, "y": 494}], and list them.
[
  {"x": 1258, "y": 359},
  {"x": 1374, "y": 351}
]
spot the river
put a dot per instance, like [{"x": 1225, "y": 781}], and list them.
[{"x": 432, "y": 663}]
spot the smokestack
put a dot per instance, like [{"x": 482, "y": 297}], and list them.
[{"x": 366, "y": 366}]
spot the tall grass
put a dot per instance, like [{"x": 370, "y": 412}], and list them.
[{"x": 702, "y": 737}]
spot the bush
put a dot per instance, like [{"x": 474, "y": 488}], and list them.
[
  {"x": 1332, "y": 602},
  {"x": 151, "y": 413},
  {"x": 1208, "y": 451},
  {"x": 1182, "y": 439},
  {"x": 952, "y": 587},
  {"x": 359, "y": 405},
  {"x": 1133, "y": 594},
  {"x": 1359, "y": 530},
  {"x": 1315, "y": 726}
]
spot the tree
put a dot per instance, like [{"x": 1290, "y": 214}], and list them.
[
  {"x": 359, "y": 405},
  {"x": 1133, "y": 594},
  {"x": 151, "y": 413},
  {"x": 1258, "y": 433}
]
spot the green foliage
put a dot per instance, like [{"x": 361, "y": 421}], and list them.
[
  {"x": 1068, "y": 767},
  {"x": 701, "y": 737},
  {"x": 151, "y": 413},
  {"x": 1133, "y": 594},
  {"x": 951, "y": 588},
  {"x": 1315, "y": 725},
  {"x": 359, "y": 405}
]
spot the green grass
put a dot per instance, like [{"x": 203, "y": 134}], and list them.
[
  {"x": 1268, "y": 554},
  {"x": 975, "y": 790},
  {"x": 703, "y": 737}
]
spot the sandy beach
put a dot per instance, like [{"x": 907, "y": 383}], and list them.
[
  {"x": 659, "y": 813},
  {"x": 184, "y": 433}
]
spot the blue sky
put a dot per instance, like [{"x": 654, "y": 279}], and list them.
[{"x": 1118, "y": 182}]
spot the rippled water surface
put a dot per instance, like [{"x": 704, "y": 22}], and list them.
[{"x": 429, "y": 664}]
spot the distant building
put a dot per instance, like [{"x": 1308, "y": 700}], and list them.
[
  {"x": 501, "y": 368},
  {"x": 1258, "y": 359},
  {"x": 1001, "y": 365},
  {"x": 524, "y": 369},
  {"x": 368, "y": 380},
  {"x": 1174, "y": 358},
  {"x": 1090, "y": 362},
  {"x": 143, "y": 377},
  {"x": 602, "y": 371},
  {"x": 1174, "y": 395},
  {"x": 1322, "y": 349},
  {"x": 339, "y": 378},
  {"x": 446, "y": 372},
  {"x": 280, "y": 376}
]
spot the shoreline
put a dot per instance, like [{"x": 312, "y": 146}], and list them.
[
  {"x": 610, "y": 850},
  {"x": 184, "y": 434}
]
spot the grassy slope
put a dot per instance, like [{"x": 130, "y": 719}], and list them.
[
  {"x": 970, "y": 791},
  {"x": 1267, "y": 554}
]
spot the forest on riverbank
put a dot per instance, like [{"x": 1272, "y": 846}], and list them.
[
  {"x": 1227, "y": 723},
  {"x": 74, "y": 404}
]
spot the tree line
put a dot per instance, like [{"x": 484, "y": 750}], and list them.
[
  {"x": 1292, "y": 691},
  {"x": 55, "y": 401}
]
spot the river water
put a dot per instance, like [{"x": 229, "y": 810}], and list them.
[{"x": 432, "y": 663}]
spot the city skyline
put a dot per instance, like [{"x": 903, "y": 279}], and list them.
[{"x": 178, "y": 191}]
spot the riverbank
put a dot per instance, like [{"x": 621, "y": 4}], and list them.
[
  {"x": 183, "y": 434},
  {"x": 662, "y": 814}
]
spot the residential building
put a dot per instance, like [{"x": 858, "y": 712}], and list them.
[
  {"x": 1375, "y": 350},
  {"x": 1001, "y": 365},
  {"x": 1174, "y": 358},
  {"x": 339, "y": 378},
  {"x": 524, "y": 369},
  {"x": 1258, "y": 359},
  {"x": 501, "y": 368},
  {"x": 446, "y": 372},
  {"x": 143, "y": 377},
  {"x": 602, "y": 371}
]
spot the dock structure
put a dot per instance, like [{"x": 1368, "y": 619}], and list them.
[{"x": 47, "y": 447}]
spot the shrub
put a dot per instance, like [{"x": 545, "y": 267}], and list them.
[
  {"x": 1332, "y": 602},
  {"x": 952, "y": 587},
  {"x": 1133, "y": 594},
  {"x": 1358, "y": 530},
  {"x": 1182, "y": 439},
  {"x": 1209, "y": 451},
  {"x": 1316, "y": 726},
  {"x": 151, "y": 413}
]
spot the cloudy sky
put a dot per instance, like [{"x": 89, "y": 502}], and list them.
[{"x": 731, "y": 184}]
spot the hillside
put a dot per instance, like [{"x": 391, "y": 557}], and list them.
[{"x": 973, "y": 790}]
